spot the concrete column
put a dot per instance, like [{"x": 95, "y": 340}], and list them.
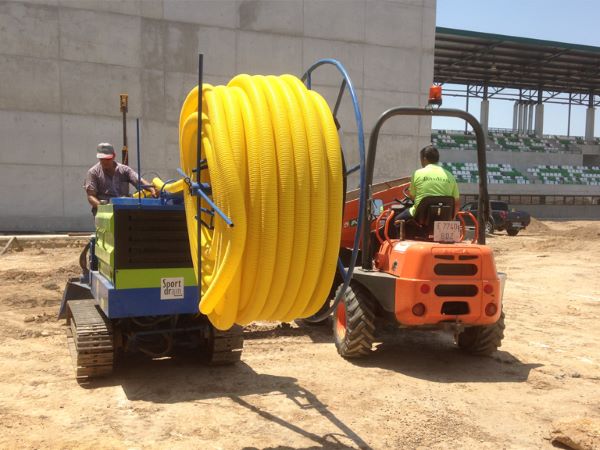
[
  {"x": 484, "y": 115},
  {"x": 521, "y": 117},
  {"x": 515, "y": 116},
  {"x": 569, "y": 118},
  {"x": 525, "y": 117},
  {"x": 530, "y": 121},
  {"x": 590, "y": 116},
  {"x": 539, "y": 120}
]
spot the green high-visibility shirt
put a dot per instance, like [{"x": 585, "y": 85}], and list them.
[{"x": 432, "y": 181}]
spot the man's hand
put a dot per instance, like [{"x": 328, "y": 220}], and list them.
[{"x": 150, "y": 188}]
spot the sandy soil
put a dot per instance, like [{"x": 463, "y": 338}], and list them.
[{"x": 292, "y": 390}]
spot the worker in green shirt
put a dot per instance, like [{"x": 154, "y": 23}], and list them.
[{"x": 432, "y": 180}]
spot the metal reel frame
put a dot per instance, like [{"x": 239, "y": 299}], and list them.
[{"x": 346, "y": 85}]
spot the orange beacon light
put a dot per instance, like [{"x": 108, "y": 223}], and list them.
[{"x": 435, "y": 95}]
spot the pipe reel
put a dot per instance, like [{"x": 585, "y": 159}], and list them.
[{"x": 264, "y": 197}]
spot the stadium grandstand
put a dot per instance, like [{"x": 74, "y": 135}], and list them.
[{"x": 551, "y": 176}]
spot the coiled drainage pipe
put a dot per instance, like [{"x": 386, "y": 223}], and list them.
[{"x": 274, "y": 166}]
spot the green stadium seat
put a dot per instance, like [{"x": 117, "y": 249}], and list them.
[
  {"x": 496, "y": 173},
  {"x": 507, "y": 141},
  {"x": 552, "y": 174}
]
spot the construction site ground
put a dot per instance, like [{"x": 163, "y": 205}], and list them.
[{"x": 293, "y": 391}]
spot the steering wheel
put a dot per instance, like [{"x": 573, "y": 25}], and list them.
[{"x": 406, "y": 201}]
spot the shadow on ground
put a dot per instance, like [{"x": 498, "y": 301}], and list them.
[
  {"x": 433, "y": 356},
  {"x": 306, "y": 400},
  {"x": 427, "y": 355},
  {"x": 184, "y": 379}
]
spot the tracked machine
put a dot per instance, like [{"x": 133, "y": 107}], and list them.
[
  {"x": 140, "y": 294},
  {"x": 139, "y": 289}
]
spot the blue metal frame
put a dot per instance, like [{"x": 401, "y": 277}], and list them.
[
  {"x": 120, "y": 303},
  {"x": 201, "y": 190},
  {"x": 346, "y": 83},
  {"x": 120, "y": 203}
]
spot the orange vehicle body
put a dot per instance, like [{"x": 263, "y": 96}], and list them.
[
  {"x": 387, "y": 192},
  {"x": 433, "y": 283},
  {"x": 448, "y": 282}
]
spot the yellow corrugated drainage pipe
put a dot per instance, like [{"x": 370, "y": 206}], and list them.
[
  {"x": 275, "y": 168},
  {"x": 170, "y": 187}
]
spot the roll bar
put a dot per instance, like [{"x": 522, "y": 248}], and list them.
[{"x": 483, "y": 203}]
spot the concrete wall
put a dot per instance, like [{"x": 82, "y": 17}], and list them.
[
  {"x": 591, "y": 154},
  {"x": 590, "y": 211},
  {"x": 561, "y": 211},
  {"x": 63, "y": 64},
  {"x": 532, "y": 189}
]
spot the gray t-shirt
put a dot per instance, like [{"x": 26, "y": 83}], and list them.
[{"x": 104, "y": 186}]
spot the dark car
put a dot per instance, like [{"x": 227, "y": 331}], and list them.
[{"x": 502, "y": 218}]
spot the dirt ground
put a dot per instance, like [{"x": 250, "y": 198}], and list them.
[{"x": 293, "y": 391}]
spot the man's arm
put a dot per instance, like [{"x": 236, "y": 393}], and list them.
[
  {"x": 133, "y": 180},
  {"x": 412, "y": 190},
  {"x": 91, "y": 189},
  {"x": 456, "y": 196},
  {"x": 92, "y": 199}
]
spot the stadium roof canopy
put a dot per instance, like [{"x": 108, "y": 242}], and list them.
[{"x": 472, "y": 58}]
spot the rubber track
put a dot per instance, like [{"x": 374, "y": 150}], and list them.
[
  {"x": 360, "y": 323},
  {"x": 90, "y": 339},
  {"x": 482, "y": 340},
  {"x": 225, "y": 347}
]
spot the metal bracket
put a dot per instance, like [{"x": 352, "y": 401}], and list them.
[{"x": 203, "y": 190}]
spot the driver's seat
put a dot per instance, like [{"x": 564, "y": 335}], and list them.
[{"x": 432, "y": 209}]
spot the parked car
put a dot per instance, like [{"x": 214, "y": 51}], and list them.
[{"x": 502, "y": 218}]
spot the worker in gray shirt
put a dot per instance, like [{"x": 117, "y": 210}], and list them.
[{"x": 108, "y": 178}]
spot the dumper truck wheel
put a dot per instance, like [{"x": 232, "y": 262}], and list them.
[
  {"x": 354, "y": 323},
  {"x": 482, "y": 340},
  {"x": 512, "y": 231}
]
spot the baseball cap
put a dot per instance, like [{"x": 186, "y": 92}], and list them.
[{"x": 105, "y": 151}]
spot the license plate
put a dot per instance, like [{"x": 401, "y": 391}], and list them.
[
  {"x": 517, "y": 224},
  {"x": 446, "y": 231}
]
